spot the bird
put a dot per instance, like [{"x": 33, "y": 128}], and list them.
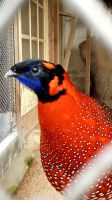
[{"x": 74, "y": 127}]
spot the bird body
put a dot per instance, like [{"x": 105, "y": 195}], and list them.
[
  {"x": 74, "y": 129},
  {"x": 74, "y": 126}
]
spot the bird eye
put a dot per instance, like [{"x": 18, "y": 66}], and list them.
[
  {"x": 14, "y": 69},
  {"x": 35, "y": 69}
]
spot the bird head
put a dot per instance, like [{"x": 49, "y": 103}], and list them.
[{"x": 44, "y": 78}]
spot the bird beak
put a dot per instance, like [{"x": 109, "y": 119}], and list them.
[{"x": 10, "y": 73}]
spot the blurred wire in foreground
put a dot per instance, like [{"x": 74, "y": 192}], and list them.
[
  {"x": 7, "y": 10},
  {"x": 89, "y": 176},
  {"x": 101, "y": 164},
  {"x": 99, "y": 19},
  {"x": 96, "y": 16}
]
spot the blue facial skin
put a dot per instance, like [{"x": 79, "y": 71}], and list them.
[
  {"x": 28, "y": 77},
  {"x": 34, "y": 85},
  {"x": 34, "y": 75},
  {"x": 31, "y": 78},
  {"x": 30, "y": 83}
]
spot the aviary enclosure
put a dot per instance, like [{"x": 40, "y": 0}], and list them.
[{"x": 46, "y": 30}]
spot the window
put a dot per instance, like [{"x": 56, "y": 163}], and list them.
[
  {"x": 33, "y": 42},
  {"x": 32, "y": 30}
]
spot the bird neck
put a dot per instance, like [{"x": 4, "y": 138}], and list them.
[
  {"x": 55, "y": 90},
  {"x": 50, "y": 111}
]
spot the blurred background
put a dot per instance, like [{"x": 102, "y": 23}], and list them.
[{"x": 42, "y": 29}]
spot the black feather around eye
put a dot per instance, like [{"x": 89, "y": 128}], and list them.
[{"x": 35, "y": 69}]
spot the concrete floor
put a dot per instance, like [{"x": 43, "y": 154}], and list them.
[{"x": 35, "y": 183}]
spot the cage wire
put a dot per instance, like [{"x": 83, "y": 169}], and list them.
[
  {"x": 76, "y": 70},
  {"x": 7, "y": 86}
]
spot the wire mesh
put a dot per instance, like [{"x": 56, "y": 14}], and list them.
[{"x": 7, "y": 91}]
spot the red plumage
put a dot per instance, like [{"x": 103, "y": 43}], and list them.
[{"x": 74, "y": 128}]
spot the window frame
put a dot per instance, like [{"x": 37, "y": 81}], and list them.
[
  {"x": 31, "y": 38},
  {"x": 23, "y": 119}
]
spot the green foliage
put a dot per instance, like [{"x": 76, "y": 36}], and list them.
[
  {"x": 12, "y": 190},
  {"x": 28, "y": 161}
]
